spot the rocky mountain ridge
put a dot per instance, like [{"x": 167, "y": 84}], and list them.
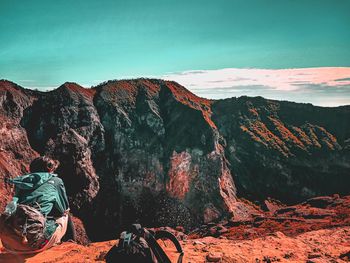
[{"x": 152, "y": 151}]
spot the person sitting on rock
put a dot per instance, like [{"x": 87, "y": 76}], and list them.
[{"x": 44, "y": 191}]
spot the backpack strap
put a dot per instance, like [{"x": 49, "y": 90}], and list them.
[
  {"x": 158, "y": 251},
  {"x": 166, "y": 234},
  {"x": 156, "y": 248}
]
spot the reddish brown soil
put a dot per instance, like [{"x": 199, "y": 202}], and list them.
[
  {"x": 316, "y": 213},
  {"x": 327, "y": 245}
]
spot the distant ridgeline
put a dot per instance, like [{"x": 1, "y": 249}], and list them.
[{"x": 149, "y": 150}]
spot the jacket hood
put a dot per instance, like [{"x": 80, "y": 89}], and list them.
[{"x": 31, "y": 181}]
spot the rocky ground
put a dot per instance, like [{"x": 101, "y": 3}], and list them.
[
  {"x": 326, "y": 245},
  {"x": 313, "y": 214},
  {"x": 317, "y": 230}
]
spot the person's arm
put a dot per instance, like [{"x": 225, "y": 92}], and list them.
[
  {"x": 61, "y": 199},
  {"x": 63, "y": 195}
]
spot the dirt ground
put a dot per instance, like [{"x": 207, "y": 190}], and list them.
[{"x": 327, "y": 245}]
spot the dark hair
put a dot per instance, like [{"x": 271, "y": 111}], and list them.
[{"x": 43, "y": 164}]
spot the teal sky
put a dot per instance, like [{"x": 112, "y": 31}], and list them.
[{"x": 45, "y": 43}]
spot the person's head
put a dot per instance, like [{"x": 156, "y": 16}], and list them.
[{"x": 43, "y": 164}]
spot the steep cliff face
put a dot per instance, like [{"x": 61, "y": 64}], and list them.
[
  {"x": 15, "y": 151},
  {"x": 64, "y": 124},
  {"x": 162, "y": 161},
  {"x": 150, "y": 151},
  {"x": 285, "y": 150}
]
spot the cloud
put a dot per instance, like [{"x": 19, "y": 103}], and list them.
[
  {"x": 279, "y": 79},
  {"x": 328, "y": 86},
  {"x": 45, "y": 88}
]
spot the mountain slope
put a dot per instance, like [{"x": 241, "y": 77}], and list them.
[
  {"x": 289, "y": 151},
  {"x": 151, "y": 151}
]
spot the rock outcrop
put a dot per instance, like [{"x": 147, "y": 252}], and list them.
[
  {"x": 15, "y": 150},
  {"x": 151, "y": 151},
  {"x": 162, "y": 161}
]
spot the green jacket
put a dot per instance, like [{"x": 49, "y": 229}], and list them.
[{"x": 44, "y": 191}]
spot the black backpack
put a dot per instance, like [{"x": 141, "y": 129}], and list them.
[{"x": 140, "y": 245}]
